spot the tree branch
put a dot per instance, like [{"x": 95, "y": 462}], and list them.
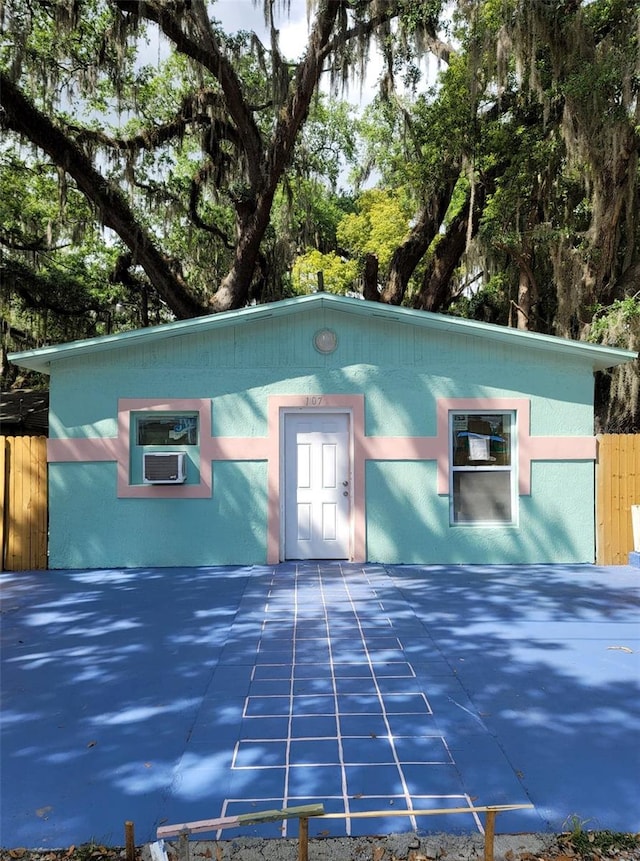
[
  {"x": 308, "y": 73},
  {"x": 194, "y": 197},
  {"x": 23, "y": 117},
  {"x": 192, "y": 113},
  {"x": 211, "y": 56},
  {"x": 40, "y": 293}
]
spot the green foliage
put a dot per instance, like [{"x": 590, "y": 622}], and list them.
[
  {"x": 618, "y": 324},
  {"x": 327, "y": 144},
  {"x": 419, "y": 144},
  {"x": 54, "y": 274},
  {"x": 420, "y": 13},
  {"x": 380, "y": 223},
  {"x": 595, "y": 843},
  {"x": 307, "y": 214},
  {"x": 339, "y": 275},
  {"x": 488, "y": 303},
  {"x": 531, "y": 119}
]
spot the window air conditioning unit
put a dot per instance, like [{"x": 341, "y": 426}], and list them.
[{"x": 164, "y": 467}]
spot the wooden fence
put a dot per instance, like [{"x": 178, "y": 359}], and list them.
[
  {"x": 23, "y": 503},
  {"x": 617, "y": 489},
  {"x": 23, "y": 500}
]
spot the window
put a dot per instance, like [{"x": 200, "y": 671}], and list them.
[
  {"x": 482, "y": 473},
  {"x": 167, "y": 429},
  {"x": 163, "y": 441}
]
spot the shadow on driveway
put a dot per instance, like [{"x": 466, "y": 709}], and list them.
[{"x": 180, "y": 694}]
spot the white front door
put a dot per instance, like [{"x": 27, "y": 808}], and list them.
[{"x": 317, "y": 482}]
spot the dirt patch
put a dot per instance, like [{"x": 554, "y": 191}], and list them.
[{"x": 584, "y": 846}]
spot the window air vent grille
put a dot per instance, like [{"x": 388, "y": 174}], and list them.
[{"x": 164, "y": 468}]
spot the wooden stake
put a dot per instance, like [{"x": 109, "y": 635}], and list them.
[
  {"x": 183, "y": 846},
  {"x": 129, "y": 841},
  {"x": 303, "y": 839},
  {"x": 489, "y": 832}
]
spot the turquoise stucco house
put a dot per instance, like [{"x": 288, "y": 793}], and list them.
[{"x": 321, "y": 427}]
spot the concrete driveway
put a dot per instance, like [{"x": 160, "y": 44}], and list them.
[{"x": 167, "y": 695}]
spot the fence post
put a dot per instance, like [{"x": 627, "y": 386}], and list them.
[
  {"x": 489, "y": 832},
  {"x": 303, "y": 838}
]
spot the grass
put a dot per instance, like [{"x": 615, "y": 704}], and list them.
[{"x": 588, "y": 842}]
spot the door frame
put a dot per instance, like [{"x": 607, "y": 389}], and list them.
[
  {"x": 318, "y": 410},
  {"x": 353, "y": 403}
]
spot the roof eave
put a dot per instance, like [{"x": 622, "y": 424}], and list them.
[{"x": 597, "y": 356}]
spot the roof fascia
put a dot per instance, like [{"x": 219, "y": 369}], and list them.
[{"x": 597, "y": 356}]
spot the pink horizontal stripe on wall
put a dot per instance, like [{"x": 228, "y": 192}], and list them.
[
  {"x": 269, "y": 448},
  {"x": 561, "y": 447},
  {"x": 401, "y": 447},
  {"x": 84, "y": 449},
  {"x": 235, "y": 448}
]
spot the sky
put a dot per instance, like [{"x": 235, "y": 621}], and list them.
[
  {"x": 294, "y": 33},
  {"x": 247, "y": 15}
]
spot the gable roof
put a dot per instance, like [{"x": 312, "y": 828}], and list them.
[{"x": 594, "y": 355}]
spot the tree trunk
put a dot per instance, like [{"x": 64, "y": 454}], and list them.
[
  {"x": 436, "y": 289},
  {"x": 233, "y": 291},
  {"x": 527, "y": 293},
  {"x": 609, "y": 198},
  {"x": 370, "y": 278},
  {"x": 407, "y": 256}
]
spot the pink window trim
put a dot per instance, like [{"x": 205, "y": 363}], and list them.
[
  {"x": 117, "y": 448},
  {"x": 127, "y": 406},
  {"x": 522, "y": 408},
  {"x": 529, "y": 448}
]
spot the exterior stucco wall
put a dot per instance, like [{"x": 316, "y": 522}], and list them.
[
  {"x": 555, "y": 522},
  {"x": 90, "y": 528},
  {"x": 401, "y": 370}
]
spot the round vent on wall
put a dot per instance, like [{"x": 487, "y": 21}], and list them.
[{"x": 325, "y": 341}]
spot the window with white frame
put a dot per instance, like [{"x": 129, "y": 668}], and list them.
[{"x": 482, "y": 467}]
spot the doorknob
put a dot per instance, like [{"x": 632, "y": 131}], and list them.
[
  {"x": 345, "y": 493},
  {"x": 345, "y": 483}
]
